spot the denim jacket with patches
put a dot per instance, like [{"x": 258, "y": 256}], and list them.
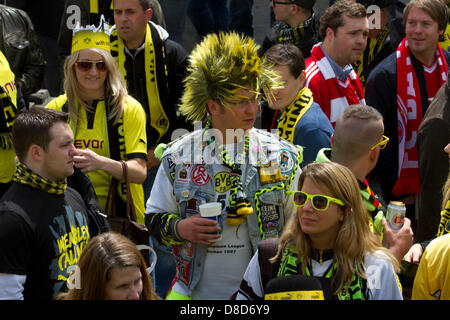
[{"x": 185, "y": 180}]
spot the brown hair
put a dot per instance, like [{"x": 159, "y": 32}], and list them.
[
  {"x": 102, "y": 253},
  {"x": 436, "y": 9},
  {"x": 38, "y": 122},
  {"x": 333, "y": 17},
  {"x": 286, "y": 54}
]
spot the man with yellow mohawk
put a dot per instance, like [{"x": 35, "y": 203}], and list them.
[{"x": 249, "y": 171}]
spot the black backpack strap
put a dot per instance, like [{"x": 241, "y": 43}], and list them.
[
  {"x": 114, "y": 152},
  {"x": 97, "y": 219},
  {"x": 13, "y": 207},
  {"x": 266, "y": 250}
]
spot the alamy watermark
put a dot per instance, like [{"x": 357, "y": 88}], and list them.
[
  {"x": 374, "y": 17},
  {"x": 204, "y": 146},
  {"x": 74, "y": 16}
]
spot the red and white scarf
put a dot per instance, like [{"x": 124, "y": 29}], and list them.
[
  {"x": 409, "y": 116},
  {"x": 332, "y": 94}
]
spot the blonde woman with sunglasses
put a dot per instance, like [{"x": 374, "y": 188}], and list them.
[
  {"x": 108, "y": 124},
  {"x": 329, "y": 238},
  {"x": 356, "y": 143}
]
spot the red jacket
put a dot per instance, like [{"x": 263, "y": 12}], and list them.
[{"x": 331, "y": 94}]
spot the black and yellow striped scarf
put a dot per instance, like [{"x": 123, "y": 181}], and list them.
[
  {"x": 295, "y": 35},
  {"x": 25, "y": 176},
  {"x": 158, "y": 119},
  {"x": 294, "y": 112},
  {"x": 239, "y": 206},
  {"x": 373, "y": 47}
]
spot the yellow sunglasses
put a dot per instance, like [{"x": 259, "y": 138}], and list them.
[
  {"x": 319, "y": 202},
  {"x": 382, "y": 144}
]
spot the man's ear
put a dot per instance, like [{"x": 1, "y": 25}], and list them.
[
  {"x": 213, "y": 107},
  {"x": 35, "y": 152},
  {"x": 373, "y": 155},
  {"x": 332, "y": 140},
  {"x": 302, "y": 78},
  {"x": 329, "y": 33},
  {"x": 149, "y": 14}
]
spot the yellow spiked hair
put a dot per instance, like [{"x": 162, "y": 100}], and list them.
[{"x": 218, "y": 67}]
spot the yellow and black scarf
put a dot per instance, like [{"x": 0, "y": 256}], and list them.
[
  {"x": 239, "y": 207},
  {"x": 295, "y": 35},
  {"x": 25, "y": 176},
  {"x": 294, "y": 112},
  {"x": 158, "y": 120},
  {"x": 373, "y": 47}
]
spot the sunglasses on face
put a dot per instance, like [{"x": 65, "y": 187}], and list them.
[
  {"x": 85, "y": 66},
  {"x": 382, "y": 144},
  {"x": 319, "y": 202}
]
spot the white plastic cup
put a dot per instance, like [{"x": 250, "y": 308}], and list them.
[{"x": 213, "y": 211}]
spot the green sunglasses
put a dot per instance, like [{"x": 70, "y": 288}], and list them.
[{"x": 319, "y": 202}]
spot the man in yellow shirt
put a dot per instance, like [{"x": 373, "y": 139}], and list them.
[
  {"x": 8, "y": 105},
  {"x": 432, "y": 280}
]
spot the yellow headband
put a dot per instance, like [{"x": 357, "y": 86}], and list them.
[{"x": 91, "y": 37}]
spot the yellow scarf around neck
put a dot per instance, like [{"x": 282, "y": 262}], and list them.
[
  {"x": 24, "y": 175},
  {"x": 374, "y": 46},
  {"x": 158, "y": 118},
  {"x": 294, "y": 112}
]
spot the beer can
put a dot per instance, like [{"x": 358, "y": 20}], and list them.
[{"x": 395, "y": 214}]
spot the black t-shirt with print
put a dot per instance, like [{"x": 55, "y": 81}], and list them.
[{"x": 46, "y": 250}]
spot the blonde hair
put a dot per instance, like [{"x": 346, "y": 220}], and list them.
[
  {"x": 354, "y": 238},
  {"x": 115, "y": 87},
  {"x": 104, "y": 252}
]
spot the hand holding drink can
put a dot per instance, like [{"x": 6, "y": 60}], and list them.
[{"x": 395, "y": 214}]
